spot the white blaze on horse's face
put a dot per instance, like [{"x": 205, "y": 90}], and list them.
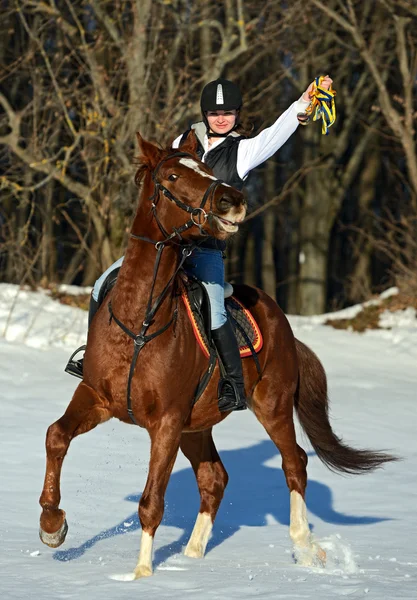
[{"x": 192, "y": 164}]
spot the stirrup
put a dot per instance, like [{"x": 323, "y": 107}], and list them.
[
  {"x": 228, "y": 401},
  {"x": 75, "y": 367}
]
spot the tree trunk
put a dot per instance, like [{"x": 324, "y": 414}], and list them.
[
  {"x": 292, "y": 256},
  {"x": 48, "y": 252},
  {"x": 314, "y": 233},
  {"x": 269, "y": 216},
  {"x": 361, "y": 279},
  {"x": 313, "y": 263},
  {"x": 249, "y": 276}
]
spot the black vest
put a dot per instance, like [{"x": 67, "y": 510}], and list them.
[{"x": 222, "y": 159}]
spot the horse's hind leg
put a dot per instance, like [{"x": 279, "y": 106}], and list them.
[
  {"x": 277, "y": 418},
  {"x": 211, "y": 478},
  {"x": 84, "y": 412}
]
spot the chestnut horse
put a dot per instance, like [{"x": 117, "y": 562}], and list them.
[{"x": 152, "y": 378}]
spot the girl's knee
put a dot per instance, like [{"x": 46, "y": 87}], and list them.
[
  {"x": 218, "y": 318},
  {"x": 97, "y": 286}
]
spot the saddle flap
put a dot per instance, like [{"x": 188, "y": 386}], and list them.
[{"x": 200, "y": 303}]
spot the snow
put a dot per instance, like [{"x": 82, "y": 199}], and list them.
[
  {"x": 38, "y": 321},
  {"x": 367, "y": 524}
]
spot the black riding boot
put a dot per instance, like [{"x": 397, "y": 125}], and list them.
[
  {"x": 231, "y": 388},
  {"x": 75, "y": 367}
]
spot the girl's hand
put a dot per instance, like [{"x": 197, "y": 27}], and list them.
[{"x": 326, "y": 83}]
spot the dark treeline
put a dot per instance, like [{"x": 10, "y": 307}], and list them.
[{"x": 333, "y": 218}]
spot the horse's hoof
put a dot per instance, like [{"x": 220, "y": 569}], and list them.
[
  {"x": 143, "y": 571},
  {"x": 194, "y": 551},
  {"x": 53, "y": 540},
  {"x": 310, "y": 555}
]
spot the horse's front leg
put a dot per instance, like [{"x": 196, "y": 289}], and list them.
[
  {"x": 84, "y": 412},
  {"x": 165, "y": 441}
]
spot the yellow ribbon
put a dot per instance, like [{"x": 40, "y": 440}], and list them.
[{"x": 322, "y": 106}]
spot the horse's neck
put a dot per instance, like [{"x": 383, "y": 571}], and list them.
[
  {"x": 136, "y": 276},
  {"x": 135, "y": 280}
]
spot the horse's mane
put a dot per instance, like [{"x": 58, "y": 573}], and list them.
[{"x": 139, "y": 173}]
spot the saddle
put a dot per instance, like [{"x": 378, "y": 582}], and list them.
[{"x": 197, "y": 303}]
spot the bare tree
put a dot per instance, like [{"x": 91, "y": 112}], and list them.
[
  {"x": 80, "y": 78},
  {"x": 398, "y": 20}
]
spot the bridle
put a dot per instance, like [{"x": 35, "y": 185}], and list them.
[
  {"x": 142, "y": 337},
  {"x": 197, "y": 213}
]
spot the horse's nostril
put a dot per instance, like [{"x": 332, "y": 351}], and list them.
[{"x": 225, "y": 202}]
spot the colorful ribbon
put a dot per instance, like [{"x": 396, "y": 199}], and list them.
[{"x": 322, "y": 106}]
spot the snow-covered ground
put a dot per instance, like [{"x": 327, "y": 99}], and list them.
[{"x": 367, "y": 524}]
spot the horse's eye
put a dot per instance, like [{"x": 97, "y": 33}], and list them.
[{"x": 173, "y": 177}]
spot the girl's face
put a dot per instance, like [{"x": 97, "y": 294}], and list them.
[{"x": 221, "y": 121}]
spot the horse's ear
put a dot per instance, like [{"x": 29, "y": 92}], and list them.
[
  {"x": 149, "y": 154},
  {"x": 190, "y": 144}
]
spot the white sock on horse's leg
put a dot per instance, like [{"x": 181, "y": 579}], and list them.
[
  {"x": 299, "y": 529},
  {"x": 197, "y": 543},
  {"x": 144, "y": 566},
  {"x": 306, "y": 552}
]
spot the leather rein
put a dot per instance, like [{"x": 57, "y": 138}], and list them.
[{"x": 142, "y": 338}]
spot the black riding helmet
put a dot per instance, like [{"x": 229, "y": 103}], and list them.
[{"x": 220, "y": 94}]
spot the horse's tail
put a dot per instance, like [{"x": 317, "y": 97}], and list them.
[{"x": 311, "y": 404}]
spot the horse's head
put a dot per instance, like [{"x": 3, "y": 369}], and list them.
[{"x": 184, "y": 196}]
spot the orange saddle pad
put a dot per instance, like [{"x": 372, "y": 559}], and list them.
[{"x": 241, "y": 318}]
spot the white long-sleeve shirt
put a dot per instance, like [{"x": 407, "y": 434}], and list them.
[{"x": 254, "y": 151}]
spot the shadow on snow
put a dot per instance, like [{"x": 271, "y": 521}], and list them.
[{"x": 255, "y": 491}]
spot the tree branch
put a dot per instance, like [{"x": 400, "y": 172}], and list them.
[
  {"x": 96, "y": 71},
  {"x": 408, "y": 83},
  {"x": 51, "y": 74}
]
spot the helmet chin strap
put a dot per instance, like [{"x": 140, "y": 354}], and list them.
[{"x": 218, "y": 135}]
